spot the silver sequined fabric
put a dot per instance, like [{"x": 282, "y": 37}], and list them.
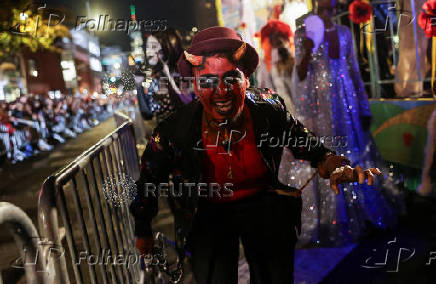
[{"x": 330, "y": 102}]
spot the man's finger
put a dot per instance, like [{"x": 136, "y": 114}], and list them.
[
  {"x": 345, "y": 161},
  {"x": 348, "y": 174},
  {"x": 375, "y": 171},
  {"x": 360, "y": 174},
  {"x": 370, "y": 177},
  {"x": 334, "y": 182},
  {"x": 335, "y": 187}
]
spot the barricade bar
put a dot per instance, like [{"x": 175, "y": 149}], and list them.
[
  {"x": 27, "y": 240},
  {"x": 89, "y": 194}
]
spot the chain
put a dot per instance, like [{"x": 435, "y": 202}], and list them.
[{"x": 159, "y": 258}]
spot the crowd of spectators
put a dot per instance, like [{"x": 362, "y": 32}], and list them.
[{"x": 35, "y": 123}]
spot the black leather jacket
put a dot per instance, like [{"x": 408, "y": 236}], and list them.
[{"x": 174, "y": 151}]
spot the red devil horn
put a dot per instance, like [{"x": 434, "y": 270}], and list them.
[
  {"x": 195, "y": 60},
  {"x": 239, "y": 52}
]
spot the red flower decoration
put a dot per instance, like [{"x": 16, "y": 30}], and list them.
[
  {"x": 275, "y": 26},
  {"x": 427, "y": 18},
  {"x": 407, "y": 138},
  {"x": 154, "y": 142},
  {"x": 360, "y": 12}
]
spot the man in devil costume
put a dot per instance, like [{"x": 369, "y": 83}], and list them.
[{"x": 231, "y": 135}]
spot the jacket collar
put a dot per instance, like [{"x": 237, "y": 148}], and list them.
[{"x": 261, "y": 124}]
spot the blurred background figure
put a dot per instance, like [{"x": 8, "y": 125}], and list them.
[
  {"x": 160, "y": 94},
  {"x": 412, "y": 65},
  {"x": 275, "y": 68},
  {"x": 35, "y": 123}
]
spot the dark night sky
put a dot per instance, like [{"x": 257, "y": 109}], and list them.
[{"x": 178, "y": 14}]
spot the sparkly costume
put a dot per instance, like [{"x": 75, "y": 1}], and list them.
[
  {"x": 330, "y": 102},
  {"x": 164, "y": 100},
  {"x": 160, "y": 95}
]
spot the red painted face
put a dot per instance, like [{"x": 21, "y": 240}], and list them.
[{"x": 220, "y": 86}]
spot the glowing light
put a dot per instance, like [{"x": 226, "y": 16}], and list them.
[
  {"x": 131, "y": 60},
  {"x": 132, "y": 12},
  {"x": 292, "y": 11},
  {"x": 146, "y": 84},
  {"x": 95, "y": 64},
  {"x": 23, "y": 16}
]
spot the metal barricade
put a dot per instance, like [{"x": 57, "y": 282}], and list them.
[
  {"x": 132, "y": 113},
  {"x": 87, "y": 202},
  {"x": 120, "y": 118},
  {"x": 27, "y": 239}
]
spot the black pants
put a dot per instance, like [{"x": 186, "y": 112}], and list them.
[{"x": 265, "y": 224}]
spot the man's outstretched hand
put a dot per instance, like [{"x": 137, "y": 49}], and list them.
[
  {"x": 144, "y": 245},
  {"x": 349, "y": 174},
  {"x": 337, "y": 169}
]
